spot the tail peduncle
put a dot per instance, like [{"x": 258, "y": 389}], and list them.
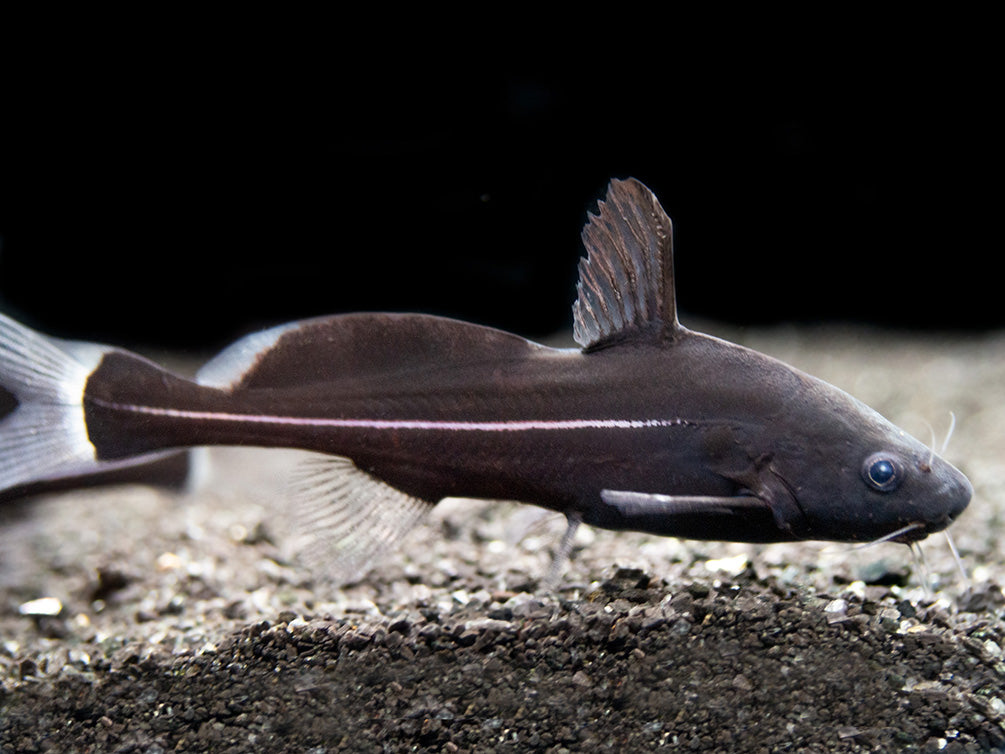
[{"x": 44, "y": 437}]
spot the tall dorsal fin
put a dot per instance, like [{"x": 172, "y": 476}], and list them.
[{"x": 626, "y": 283}]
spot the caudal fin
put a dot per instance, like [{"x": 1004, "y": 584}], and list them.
[{"x": 44, "y": 436}]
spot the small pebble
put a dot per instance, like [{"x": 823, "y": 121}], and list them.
[{"x": 47, "y": 606}]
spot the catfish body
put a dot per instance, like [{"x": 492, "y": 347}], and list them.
[
  {"x": 506, "y": 419},
  {"x": 649, "y": 426}
]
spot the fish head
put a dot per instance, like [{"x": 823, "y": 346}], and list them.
[
  {"x": 803, "y": 459},
  {"x": 837, "y": 470}
]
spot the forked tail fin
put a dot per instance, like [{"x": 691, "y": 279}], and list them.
[{"x": 44, "y": 436}]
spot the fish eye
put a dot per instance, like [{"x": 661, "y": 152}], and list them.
[{"x": 881, "y": 472}]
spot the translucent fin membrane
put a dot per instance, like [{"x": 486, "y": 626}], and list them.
[
  {"x": 45, "y": 436},
  {"x": 347, "y": 518}
]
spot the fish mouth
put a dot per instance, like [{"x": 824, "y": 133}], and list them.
[
  {"x": 918, "y": 530},
  {"x": 914, "y": 532}
]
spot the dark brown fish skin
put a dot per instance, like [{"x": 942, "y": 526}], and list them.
[
  {"x": 732, "y": 421},
  {"x": 557, "y": 468}
]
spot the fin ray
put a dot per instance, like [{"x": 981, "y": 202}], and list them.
[
  {"x": 348, "y": 518},
  {"x": 626, "y": 285},
  {"x": 44, "y": 437}
]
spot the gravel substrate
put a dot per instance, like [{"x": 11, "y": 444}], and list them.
[{"x": 134, "y": 619}]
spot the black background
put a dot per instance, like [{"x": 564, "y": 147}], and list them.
[{"x": 166, "y": 197}]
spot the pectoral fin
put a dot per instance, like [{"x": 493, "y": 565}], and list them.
[
  {"x": 562, "y": 553},
  {"x": 743, "y": 517},
  {"x": 649, "y": 504}
]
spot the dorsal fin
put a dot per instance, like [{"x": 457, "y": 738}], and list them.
[{"x": 626, "y": 283}]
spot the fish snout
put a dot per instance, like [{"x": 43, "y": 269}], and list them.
[
  {"x": 961, "y": 495},
  {"x": 954, "y": 493}
]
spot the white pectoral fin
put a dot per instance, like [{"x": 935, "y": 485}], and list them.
[
  {"x": 631, "y": 504},
  {"x": 348, "y": 518}
]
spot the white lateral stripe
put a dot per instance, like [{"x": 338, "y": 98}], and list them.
[{"x": 454, "y": 426}]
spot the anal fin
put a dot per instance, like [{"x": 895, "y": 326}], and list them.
[{"x": 348, "y": 518}]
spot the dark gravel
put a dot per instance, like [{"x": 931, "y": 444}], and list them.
[
  {"x": 741, "y": 666},
  {"x": 180, "y": 622}
]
